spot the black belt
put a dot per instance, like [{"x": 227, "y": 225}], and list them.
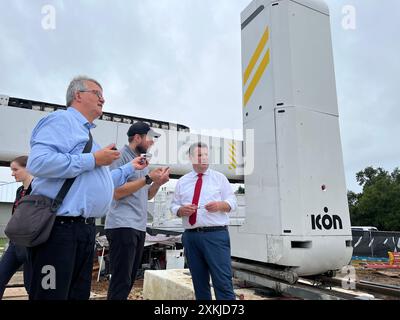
[
  {"x": 78, "y": 219},
  {"x": 208, "y": 229}
]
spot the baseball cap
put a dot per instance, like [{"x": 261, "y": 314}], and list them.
[{"x": 142, "y": 128}]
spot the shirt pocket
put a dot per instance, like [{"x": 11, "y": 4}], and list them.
[
  {"x": 187, "y": 195},
  {"x": 211, "y": 194}
]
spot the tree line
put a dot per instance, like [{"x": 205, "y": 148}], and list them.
[{"x": 378, "y": 204}]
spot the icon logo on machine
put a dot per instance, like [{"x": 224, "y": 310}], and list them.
[{"x": 326, "y": 221}]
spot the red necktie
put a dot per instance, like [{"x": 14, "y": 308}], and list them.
[{"x": 196, "y": 197}]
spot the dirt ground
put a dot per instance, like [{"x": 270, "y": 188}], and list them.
[
  {"x": 388, "y": 277},
  {"x": 99, "y": 290},
  {"x": 383, "y": 276},
  {"x": 379, "y": 276}
]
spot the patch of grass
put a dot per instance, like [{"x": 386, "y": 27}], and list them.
[{"x": 3, "y": 243}]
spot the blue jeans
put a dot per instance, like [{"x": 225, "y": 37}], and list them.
[
  {"x": 14, "y": 257},
  {"x": 209, "y": 254}
]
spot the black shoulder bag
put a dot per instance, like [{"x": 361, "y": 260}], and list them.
[{"x": 34, "y": 217}]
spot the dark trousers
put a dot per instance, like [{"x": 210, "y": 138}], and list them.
[
  {"x": 62, "y": 266},
  {"x": 126, "y": 251},
  {"x": 209, "y": 253},
  {"x": 14, "y": 257}
]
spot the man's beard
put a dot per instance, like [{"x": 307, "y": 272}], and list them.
[{"x": 140, "y": 149}]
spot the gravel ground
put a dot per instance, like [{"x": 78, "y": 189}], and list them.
[{"x": 390, "y": 277}]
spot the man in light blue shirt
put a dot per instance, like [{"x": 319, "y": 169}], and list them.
[{"x": 56, "y": 154}]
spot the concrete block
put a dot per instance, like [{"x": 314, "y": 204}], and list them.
[
  {"x": 15, "y": 294},
  {"x": 171, "y": 284}
]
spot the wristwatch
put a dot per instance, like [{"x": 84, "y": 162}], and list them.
[{"x": 148, "y": 179}]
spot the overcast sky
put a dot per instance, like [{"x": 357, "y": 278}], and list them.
[{"x": 180, "y": 61}]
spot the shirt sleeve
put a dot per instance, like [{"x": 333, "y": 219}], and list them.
[
  {"x": 121, "y": 174},
  {"x": 50, "y": 156},
  {"x": 227, "y": 193},
  {"x": 176, "y": 202}
]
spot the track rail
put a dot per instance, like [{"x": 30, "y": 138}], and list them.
[
  {"x": 319, "y": 288},
  {"x": 387, "y": 291}
]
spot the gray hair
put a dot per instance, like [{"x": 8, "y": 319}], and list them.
[
  {"x": 196, "y": 145},
  {"x": 77, "y": 84}
]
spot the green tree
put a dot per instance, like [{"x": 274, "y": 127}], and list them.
[
  {"x": 379, "y": 202},
  {"x": 240, "y": 190}
]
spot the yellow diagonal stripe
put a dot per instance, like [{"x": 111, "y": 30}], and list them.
[
  {"x": 233, "y": 160},
  {"x": 253, "y": 84},
  {"x": 256, "y": 55},
  {"x": 232, "y": 156}
]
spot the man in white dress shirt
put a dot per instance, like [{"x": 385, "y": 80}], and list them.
[{"x": 203, "y": 198}]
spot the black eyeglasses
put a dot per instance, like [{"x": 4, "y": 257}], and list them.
[{"x": 96, "y": 92}]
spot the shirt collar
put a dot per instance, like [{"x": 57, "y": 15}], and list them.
[
  {"x": 79, "y": 116},
  {"x": 194, "y": 173},
  {"x": 130, "y": 151}
]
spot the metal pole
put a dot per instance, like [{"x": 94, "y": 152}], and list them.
[{"x": 101, "y": 264}]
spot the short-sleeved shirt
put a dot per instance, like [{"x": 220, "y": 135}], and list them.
[{"x": 130, "y": 211}]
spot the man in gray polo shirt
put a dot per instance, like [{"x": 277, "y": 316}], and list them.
[{"x": 126, "y": 222}]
